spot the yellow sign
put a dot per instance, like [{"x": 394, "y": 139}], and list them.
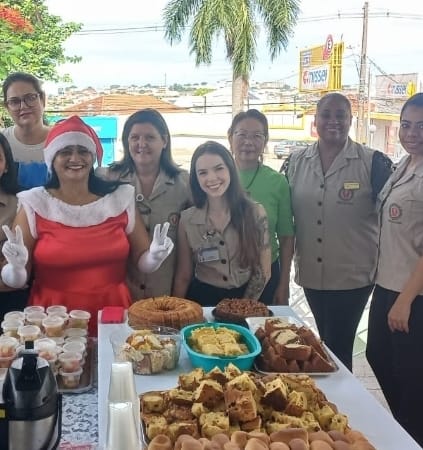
[
  {"x": 321, "y": 67},
  {"x": 411, "y": 88}
]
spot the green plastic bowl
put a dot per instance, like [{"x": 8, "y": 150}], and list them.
[{"x": 207, "y": 362}]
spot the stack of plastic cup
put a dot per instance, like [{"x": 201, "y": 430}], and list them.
[
  {"x": 122, "y": 389},
  {"x": 122, "y": 430}
]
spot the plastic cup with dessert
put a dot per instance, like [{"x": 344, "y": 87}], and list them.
[
  {"x": 59, "y": 340},
  {"x": 70, "y": 361},
  {"x": 6, "y": 361},
  {"x": 56, "y": 309},
  {"x": 70, "y": 380},
  {"x": 76, "y": 332},
  {"x": 81, "y": 339},
  {"x": 20, "y": 315},
  {"x": 79, "y": 347},
  {"x": 8, "y": 346},
  {"x": 33, "y": 309},
  {"x": 29, "y": 333},
  {"x": 63, "y": 315},
  {"x": 46, "y": 348},
  {"x": 35, "y": 318},
  {"x": 10, "y": 327},
  {"x": 54, "y": 326},
  {"x": 79, "y": 318}
]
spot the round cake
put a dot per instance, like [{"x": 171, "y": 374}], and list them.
[
  {"x": 166, "y": 311},
  {"x": 238, "y": 309}
]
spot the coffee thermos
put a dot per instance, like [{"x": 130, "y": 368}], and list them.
[{"x": 30, "y": 405}]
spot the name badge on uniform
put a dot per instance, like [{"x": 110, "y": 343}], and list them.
[
  {"x": 351, "y": 185},
  {"x": 208, "y": 254}
]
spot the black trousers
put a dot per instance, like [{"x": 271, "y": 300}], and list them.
[
  {"x": 337, "y": 315},
  {"x": 397, "y": 360},
  {"x": 13, "y": 301},
  {"x": 208, "y": 295},
  {"x": 270, "y": 288}
]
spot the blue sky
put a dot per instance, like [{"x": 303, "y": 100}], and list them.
[{"x": 395, "y": 44}]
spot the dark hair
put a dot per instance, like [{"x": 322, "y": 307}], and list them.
[
  {"x": 126, "y": 164},
  {"x": 96, "y": 185},
  {"x": 250, "y": 114},
  {"x": 26, "y": 78},
  {"x": 415, "y": 100},
  {"x": 9, "y": 179},
  {"x": 334, "y": 96},
  {"x": 242, "y": 209}
]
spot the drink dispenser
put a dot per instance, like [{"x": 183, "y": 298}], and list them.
[{"x": 30, "y": 404}]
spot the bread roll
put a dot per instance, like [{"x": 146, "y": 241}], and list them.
[
  {"x": 220, "y": 438},
  {"x": 255, "y": 444},
  {"x": 341, "y": 445},
  {"x": 191, "y": 444},
  {"x": 181, "y": 439},
  {"x": 240, "y": 438},
  {"x": 230, "y": 446},
  {"x": 160, "y": 442},
  {"x": 287, "y": 434},
  {"x": 298, "y": 444},
  {"x": 337, "y": 436},
  {"x": 320, "y": 445},
  {"x": 259, "y": 435},
  {"x": 278, "y": 446},
  {"x": 320, "y": 436}
]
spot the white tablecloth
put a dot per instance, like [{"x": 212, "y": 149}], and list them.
[{"x": 365, "y": 413}]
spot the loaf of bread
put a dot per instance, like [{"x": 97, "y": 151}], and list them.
[{"x": 287, "y": 348}]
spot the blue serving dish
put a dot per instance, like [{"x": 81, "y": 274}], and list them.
[{"x": 207, "y": 362}]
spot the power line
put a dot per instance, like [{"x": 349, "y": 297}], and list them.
[{"x": 340, "y": 15}]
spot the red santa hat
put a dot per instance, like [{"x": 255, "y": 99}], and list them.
[{"x": 72, "y": 131}]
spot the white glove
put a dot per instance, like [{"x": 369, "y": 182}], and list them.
[
  {"x": 160, "y": 248},
  {"x": 14, "y": 273}
]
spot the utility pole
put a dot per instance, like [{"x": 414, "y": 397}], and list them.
[{"x": 360, "y": 132}]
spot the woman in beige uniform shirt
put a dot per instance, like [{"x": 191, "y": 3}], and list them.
[
  {"x": 334, "y": 184},
  {"x": 395, "y": 336},
  {"x": 161, "y": 191},
  {"x": 223, "y": 241}
]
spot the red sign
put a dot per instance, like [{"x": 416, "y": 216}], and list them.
[{"x": 327, "y": 50}]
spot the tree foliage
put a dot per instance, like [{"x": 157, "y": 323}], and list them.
[
  {"x": 38, "y": 50},
  {"x": 239, "y": 22}
]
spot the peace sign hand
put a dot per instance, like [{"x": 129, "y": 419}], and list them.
[
  {"x": 14, "y": 249},
  {"x": 161, "y": 245}
]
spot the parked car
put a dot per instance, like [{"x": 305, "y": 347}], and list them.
[{"x": 283, "y": 148}]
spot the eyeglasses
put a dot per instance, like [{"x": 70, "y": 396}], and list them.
[
  {"x": 256, "y": 137},
  {"x": 14, "y": 103}
]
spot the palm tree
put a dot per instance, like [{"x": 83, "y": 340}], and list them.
[{"x": 238, "y": 22}]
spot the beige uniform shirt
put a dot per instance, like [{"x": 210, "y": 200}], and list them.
[
  {"x": 215, "y": 255},
  {"x": 8, "y": 208},
  {"x": 168, "y": 198},
  {"x": 401, "y": 234},
  {"x": 335, "y": 218}
]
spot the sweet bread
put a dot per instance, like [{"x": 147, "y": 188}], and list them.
[
  {"x": 165, "y": 311},
  {"x": 289, "y": 348},
  {"x": 238, "y": 309}
]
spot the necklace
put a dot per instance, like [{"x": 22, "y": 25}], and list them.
[{"x": 252, "y": 179}]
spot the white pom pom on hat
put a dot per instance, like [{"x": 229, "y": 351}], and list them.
[{"x": 71, "y": 131}]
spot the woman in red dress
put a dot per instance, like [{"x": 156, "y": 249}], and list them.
[{"x": 77, "y": 233}]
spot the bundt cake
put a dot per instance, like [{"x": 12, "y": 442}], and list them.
[{"x": 166, "y": 311}]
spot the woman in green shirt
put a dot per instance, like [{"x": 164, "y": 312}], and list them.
[{"x": 248, "y": 136}]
